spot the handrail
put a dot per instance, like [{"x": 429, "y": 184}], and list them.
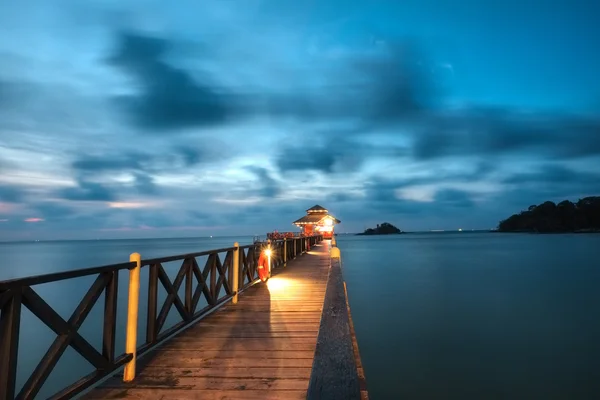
[
  {"x": 61, "y": 276},
  {"x": 213, "y": 282}
]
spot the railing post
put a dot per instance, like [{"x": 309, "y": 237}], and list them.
[
  {"x": 10, "y": 323},
  {"x": 110, "y": 317},
  {"x": 132, "y": 316},
  {"x": 152, "y": 303},
  {"x": 285, "y": 252},
  {"x": 269, "y": 259},
  {"x": 236, "y": 272},
  {"x": 269, "y": 256}
]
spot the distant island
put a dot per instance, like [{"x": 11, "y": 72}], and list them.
[
  {"x": 564, "y": 217},
  {"x": 382, "y": 229}
]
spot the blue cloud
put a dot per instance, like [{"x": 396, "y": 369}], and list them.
[
  {"x": 169, "y": 97},
  {"x": 235, "y": 120}
]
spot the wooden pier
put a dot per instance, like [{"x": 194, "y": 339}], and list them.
[{"x": 289, "y": 338}]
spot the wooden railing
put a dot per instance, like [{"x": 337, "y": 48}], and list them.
[{"x": 215, "y": 282}]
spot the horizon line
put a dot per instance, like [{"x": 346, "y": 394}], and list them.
[{"x": 227, "y": 236}]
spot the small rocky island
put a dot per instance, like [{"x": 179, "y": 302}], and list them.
[
  {"x": 564, "y": 217},
  {"x": 382, "y": 229}
]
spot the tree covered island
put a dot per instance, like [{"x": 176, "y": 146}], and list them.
[
  {"x": 382, "y": 229},
  {"x": 564, "y": 217}
]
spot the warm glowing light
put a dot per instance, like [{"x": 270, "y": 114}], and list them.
[
  {"x": 328, "y": 222},
  {"x": 268, "y": 252},
  {"x": 277, "y": 284}
]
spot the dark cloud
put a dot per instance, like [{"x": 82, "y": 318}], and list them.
[
  {"x": 384, "y": 86},
  {"x": 169, "y": 97},
  {"x": 326, "y": 152},
  {"x": 190, "y": 156},
  {"x": 142, "y": 166},
  {"x": 399, "y": 85},
  {"x": 382, "y": 199},
  {"x": 144, "y": 184},
  {"x": 478, "y": 171},
  {"x": 549, "y": 182},
  {"x": 554, "y": 174},
  {"x": 88, "y": 191},
  {"x": 377, "y": 88},
  {"x": 310, "y": 157},
  {"x": 110, "y": 162},
  {"x": 495, "y": 132},
  {"x": 178, "y": 156},
  {"x": 398, "y": 94},
  {"x": 381, "y": 191},
  {"x": 268, "y": 187}
]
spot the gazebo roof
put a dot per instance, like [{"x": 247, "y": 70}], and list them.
[
  {"x": 316, "y": 209},
  {"x": 315, "y": 218}
]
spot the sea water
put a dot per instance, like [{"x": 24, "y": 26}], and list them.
[
  {"x": 476, "y": 316},
  {"x": 452, "y": 316}
]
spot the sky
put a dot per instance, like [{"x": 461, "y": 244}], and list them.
[{"x": 131, "y": 119}]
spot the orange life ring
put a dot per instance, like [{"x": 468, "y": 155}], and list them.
[{"x": 263, "y": 267}]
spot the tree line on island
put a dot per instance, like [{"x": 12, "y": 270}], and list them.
[
  {"x": 382, "y": 229},
  {"x": 564, "y": 217}
]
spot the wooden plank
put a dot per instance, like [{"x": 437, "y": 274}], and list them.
[
  {"x": 282, "y": 303},
  {"x": 262, "y": 324},
  {"x": 210, "y": 383},
  {"x": 258, "y": 327},
  {"x": 248, "y": 343},
  {"x": 250, "y": 334},
  {"x": 282, "y": 307},
  {"x": 268, "y": 352},
  {"x": 163, "y": 360},
  {"x": 178, "y": 394},
  {"x": 235, "y": 372},
  {"x": 279, "y": 328},
  {"x": 243, "y": 314},
  {"x": 274, "y": 320}
]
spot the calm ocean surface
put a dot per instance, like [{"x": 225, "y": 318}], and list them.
[{"x": 438, "y": 316}]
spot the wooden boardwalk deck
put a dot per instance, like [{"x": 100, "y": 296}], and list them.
[{"x": 261, "y": 348}]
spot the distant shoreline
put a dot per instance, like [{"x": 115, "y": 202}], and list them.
[{"x": 582, "y": 216}]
